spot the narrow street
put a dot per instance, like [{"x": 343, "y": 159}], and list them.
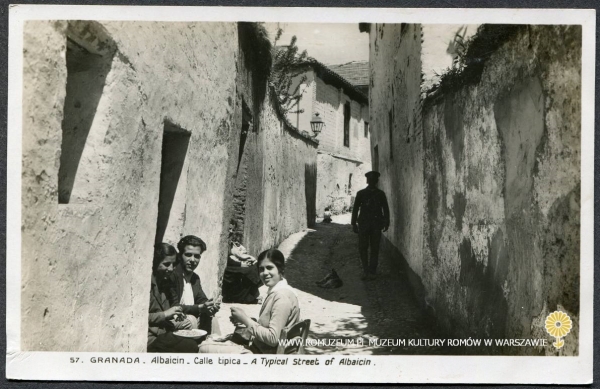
[{"x": 383, "y": 308}]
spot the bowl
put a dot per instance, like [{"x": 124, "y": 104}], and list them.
[{"x": 192, "y": 334}]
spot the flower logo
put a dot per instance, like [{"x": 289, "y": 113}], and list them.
[{"x": 558, "y": 325}]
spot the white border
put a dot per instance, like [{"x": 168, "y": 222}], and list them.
[{"x": 407, "y": 369}]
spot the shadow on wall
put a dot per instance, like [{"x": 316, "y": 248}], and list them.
[
  {"x": 86, "y": 77},
  {"x": 310, "y": 191}
]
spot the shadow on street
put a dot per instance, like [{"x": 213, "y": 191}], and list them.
[{"x": 384, "y": 308}]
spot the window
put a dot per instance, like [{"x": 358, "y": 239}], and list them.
[
  {"x": 366, "y": 129},
  {"x": 375, "y": 161},
  {"x": 390, "y": 130},
  {"x": 347, "y": 125}
]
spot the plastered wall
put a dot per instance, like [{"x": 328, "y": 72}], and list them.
[
  {"x": 288, "y": 178},
  {"x": 87, "y": 256},
  {"x": 495, "y": 179},
  {"x": 336, "y": 161},
  {"x": 503, "y": 165},
  {"x": 277, "y": 173},
  {"x": 86, "y": 262},
  {"x": 395, "y": 109}
]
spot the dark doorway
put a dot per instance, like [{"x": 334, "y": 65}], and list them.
[
  {"x": 310, "y": 192},
  {"x": 350, "y": 184},
  {"x": 172, "y": 177},
  {"x": 347, "y": 125}
]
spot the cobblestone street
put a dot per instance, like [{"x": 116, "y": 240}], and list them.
[{"x": 383, "y": 308}]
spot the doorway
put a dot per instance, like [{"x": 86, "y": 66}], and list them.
[{"x": 173, "y": 184}]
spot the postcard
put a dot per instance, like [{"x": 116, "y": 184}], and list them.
[{"x": 222, "y": 194}]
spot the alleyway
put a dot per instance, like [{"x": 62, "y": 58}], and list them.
[{"x": 383, "y": 308}]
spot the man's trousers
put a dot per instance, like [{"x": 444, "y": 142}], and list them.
[{"x": 369, "y": 237}]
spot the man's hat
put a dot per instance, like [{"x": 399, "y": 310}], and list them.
[{"x": 373, "y": 174}]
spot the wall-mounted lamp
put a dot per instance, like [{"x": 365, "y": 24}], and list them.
[{"x": 317, "y": 124}]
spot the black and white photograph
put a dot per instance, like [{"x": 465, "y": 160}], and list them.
[{"x": 300, "y": 197}]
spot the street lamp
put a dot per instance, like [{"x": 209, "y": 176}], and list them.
[{"x": 317, "y": 124}]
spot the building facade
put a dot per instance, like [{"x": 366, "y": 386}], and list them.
[
  {"x": 483, "y": 176},
  {"x": 344, "y": 144},
  {"x": 136, "y": 133},
  {"x": 356, "y": 73}
]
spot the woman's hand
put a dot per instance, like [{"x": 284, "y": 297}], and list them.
[
  {"x": 173, "y": 311},
  {"x": 185, "y": 324},
  {"x": 239, "y": 316}
]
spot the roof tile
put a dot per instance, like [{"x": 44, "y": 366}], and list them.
[{"x": 356, "y": 72}]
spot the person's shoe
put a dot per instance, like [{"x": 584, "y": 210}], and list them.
[
  {"x": 364, "y": 277},
  {"x": 372, "y": 276}
]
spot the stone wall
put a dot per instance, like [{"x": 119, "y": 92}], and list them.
[{"x": 499, "y": 178}]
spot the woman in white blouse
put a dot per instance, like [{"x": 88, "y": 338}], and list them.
[{"x": 279, "y": 309}]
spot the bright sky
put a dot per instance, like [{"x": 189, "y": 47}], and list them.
[
  {"x": 434, "y": 56},
  {"x": 336, "y": 43},
  {"x": 331, "y": 43}
]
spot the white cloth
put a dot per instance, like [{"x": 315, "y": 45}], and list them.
[
  {"x": 187, "y": 297},
  {"x": 283, "y": 284}
]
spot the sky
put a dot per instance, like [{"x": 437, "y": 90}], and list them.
[
  {"x": 330, "y": 43},
  {"x": 434, "y": 56},
  {"x": 336, "y": 43}
]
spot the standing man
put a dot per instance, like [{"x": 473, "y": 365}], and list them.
[
  {"x": 373, "y": 215},
  {"x": 187, "y": 290}
]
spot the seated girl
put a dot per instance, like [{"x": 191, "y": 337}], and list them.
[
  {"x": 279, "y": 309},
  {"x": 162, "y": 317}
]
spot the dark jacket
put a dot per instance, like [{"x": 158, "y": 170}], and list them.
[
  {"x": 177, "y": 292},
  {"x": 159, "y": 302},
  {"x": 367, "y": 216}
]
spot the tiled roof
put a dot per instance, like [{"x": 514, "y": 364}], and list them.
[
  {"x": 329, "y": 76},
  {"x": 356, "y": 72}
]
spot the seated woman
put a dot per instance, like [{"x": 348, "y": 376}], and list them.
[
  {"x": 162, "y": 317},
  {"x": 280, "y": 309},
  {"x": 241, "y": 280}
]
